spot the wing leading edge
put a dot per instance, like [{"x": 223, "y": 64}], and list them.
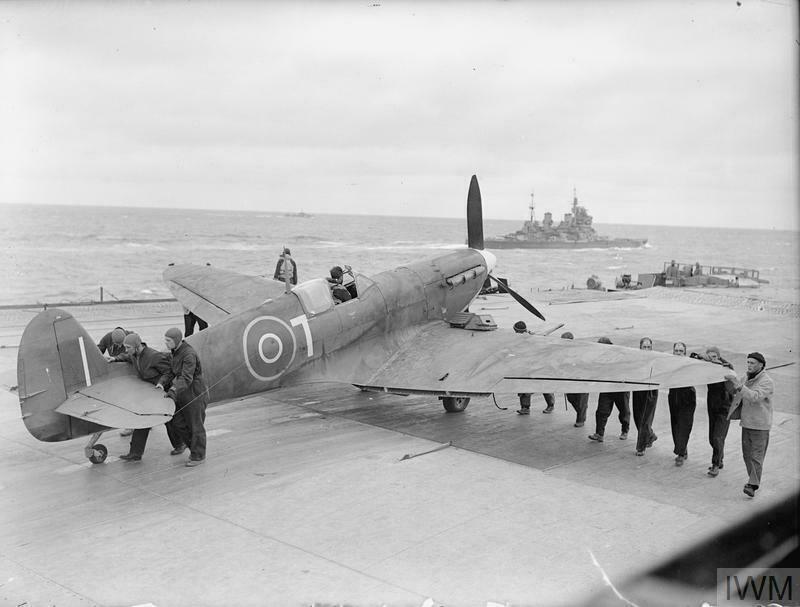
[
  {"x": 214, "y": 294},
  {"x": 447, "y": 361}
]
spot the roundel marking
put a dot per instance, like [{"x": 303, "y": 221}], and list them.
[
  {"x": 277, "y": 348},
  {"x": 269, "y": 347}
]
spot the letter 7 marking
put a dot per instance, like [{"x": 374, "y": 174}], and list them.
[{"x": 303, "y": 321}]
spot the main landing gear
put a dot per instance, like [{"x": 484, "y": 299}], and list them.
[
  {"x": 454, "y": 404},
  {"x": 96, "y": 453}
]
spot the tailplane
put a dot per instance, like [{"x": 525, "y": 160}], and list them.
[{"x": 56, "y": 358}]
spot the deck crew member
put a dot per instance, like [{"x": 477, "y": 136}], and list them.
[
  {"x": 286, "y": 267},
  {"x": 682, "y": 404},
  {"x": 753, "y": 405},
  {"x": 111, "y": 345},
  {"x": 578, "y": 400},
  {"x": 525, "y": 397},
  {"x": 718, "y": 401},
  {"x": 190, "y": 319},
  {"x": 605, "y": 404},
  {"x": 186, "y": 386},
  {"x": 150, "y": 366},
  {"x": 111, "y": 342},
  {"x": 644, "y": 409}
]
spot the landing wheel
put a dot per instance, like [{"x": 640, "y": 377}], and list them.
[
  {"x": 454, "y": 404},
  {"x": 99, "y": 454}
]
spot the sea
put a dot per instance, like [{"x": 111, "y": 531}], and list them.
[{"x": 60, "y": 253}]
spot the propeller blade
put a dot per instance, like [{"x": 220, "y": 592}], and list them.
[
  {"x": 474, "y": 216},
  {"x": 517, "y": 297}
]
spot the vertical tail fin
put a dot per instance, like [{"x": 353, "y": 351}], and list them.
[{"x": 56, "y": 357}]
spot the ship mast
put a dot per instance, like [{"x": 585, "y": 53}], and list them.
[
  {"x": 574, "y": 202},
  {"x": 533, "y": 206}
]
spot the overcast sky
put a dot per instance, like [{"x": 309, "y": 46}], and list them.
[{"x": 658, "y": 112}]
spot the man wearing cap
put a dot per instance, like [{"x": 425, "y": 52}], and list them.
[
  {"x": 605, "y": 405},
  {"x": 286, "y": 267},
  {"x": 111, "y": 345},
  {"x": 150, "y": 366},
  {"x": 111, "y": 342},
  {"x": 578, "y": 400},
  {"x": 188, "y": 389},
  {"x": 753, "y": 405}
]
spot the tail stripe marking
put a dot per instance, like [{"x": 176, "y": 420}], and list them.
[{"x": 85, "y": 362}]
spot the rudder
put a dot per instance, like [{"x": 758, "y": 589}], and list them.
[{"x": 56, "y": 358}]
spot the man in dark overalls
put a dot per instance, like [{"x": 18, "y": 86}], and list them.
[
  {"x": 188, "y": 389},
  {"x": 150, "y": 366},
  {"x": 605, "y": 405}
]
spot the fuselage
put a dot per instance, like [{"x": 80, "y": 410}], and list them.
[{"x": 304, "y": 336}]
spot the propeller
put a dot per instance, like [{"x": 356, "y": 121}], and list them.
[
  {"x": 475, "y": 241},
  {"x": 517, "y": 297},
  {"x": 474, "y": 216}
]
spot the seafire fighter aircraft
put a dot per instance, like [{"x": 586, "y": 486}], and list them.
[{"x": 408, "y": 330}]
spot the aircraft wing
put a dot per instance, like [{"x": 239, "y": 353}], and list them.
[
  {"x": 448, "y": 361},
  {"x": 124, "y": 401},
  {"x": 213, "y": 294}
]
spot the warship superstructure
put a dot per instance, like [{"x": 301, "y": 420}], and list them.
[{"x": 575, "y": 231}]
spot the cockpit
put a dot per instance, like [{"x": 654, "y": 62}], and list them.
[{"x": 317, "y": 295}]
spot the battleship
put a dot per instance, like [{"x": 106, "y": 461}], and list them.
[{"x": 575, "y": 231}]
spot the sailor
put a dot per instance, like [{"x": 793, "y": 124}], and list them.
[
  {"x": 338, "y": 290},
  {"x": 524, "y": 397},
  {"x": 286, "y": 267},
  {"x": 579, "y": 401},
  {"x": 682, "y": 403},
  {"x": 753, "y": 405},
  {"x": 190, "y": 319},
  {"x": 111, "y": 345},
  {"x": 644, "y": 409},
  {"x": 718, "y": 401},
  {"x": 185, "y": 385},
  {"x": 111, "y": 342},
  {"x": 605, "y": 404},
  {"x": 150, "y": 365}
]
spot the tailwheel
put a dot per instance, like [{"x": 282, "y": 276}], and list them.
[
  {"x": 454, "y": 404},
  {"x": 99, "y": 454},
  {"x": 94, "y": 452}
]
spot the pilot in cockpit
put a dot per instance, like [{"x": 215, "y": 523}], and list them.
[{"x": 342, "y": 289}]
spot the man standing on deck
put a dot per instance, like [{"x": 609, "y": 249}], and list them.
[
  {"x": 150, "y": 365},
  {"x": 525, "y": 398},
  {"x": 753, "y": 405},
  {"x": 286, "y": 268},
  {"x": 578, "y": 400},
  {"x": 605, "y": 404},
  {"x": 644, "y": 409},
  {"x": 718, "y": 401},
  {"x": 188, "y": 389},
  {"x": 682, "y": 403}
]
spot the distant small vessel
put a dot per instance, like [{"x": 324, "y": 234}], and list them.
[
  {"x": 574, "y": 232},
  {"x": 300, "y": 214}
]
